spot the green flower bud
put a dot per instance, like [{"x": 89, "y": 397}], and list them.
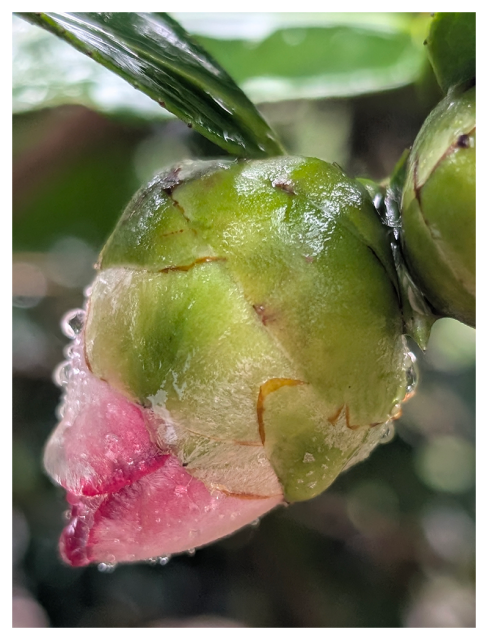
[
  {"x": 438, "y": 207},
  {"x": 253, "y": 306},
  {"x": 451, "y": 47}
]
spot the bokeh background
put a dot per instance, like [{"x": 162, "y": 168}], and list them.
[{"x": 392, "y": 542}]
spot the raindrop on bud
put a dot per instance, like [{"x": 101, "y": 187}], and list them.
[
  {"x": 412, "y": 373},
  {"x": 61, "y": 374},
  {"x": 72, "y": 323}
]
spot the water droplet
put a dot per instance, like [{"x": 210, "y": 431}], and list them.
[
  {"x": 72, "y": 323},
  {"x": 255, "y": 523},
  {"x": 67, "y": 514},
  {"x": 412, "y": 373},
  {"x": 60, "y": 411},
  {"x": 396, "y": 412},
  {"x": 106, "y": 567},
  {"x": 61, "y": 374},
  {"x": 388, "y": 433},
  {"x": 163, "y": 560},
  {"x": 87, "y": 291},
  {"x": 153, "y": 560},
  {"x": 69, "y": 351},
  {"x": 191, "y": 552}
]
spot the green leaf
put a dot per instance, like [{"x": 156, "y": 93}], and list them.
[
  {"x": 155, "y": 54},
  {"x": 273, "y": 57},
  {"x": 330, "y": 60}
]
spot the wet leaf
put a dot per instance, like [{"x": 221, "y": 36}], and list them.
[
  {"x": 156, "y": 55},
  {"x": 272, "y": 56}
]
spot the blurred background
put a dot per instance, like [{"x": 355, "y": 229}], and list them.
[{"x": 392, "y": 542}]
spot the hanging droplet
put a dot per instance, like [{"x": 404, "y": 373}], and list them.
[
  {"x": 412, "y": 373},
  {"x": 163, "y": 560},
  {"x": 107, "y": 567},
  {"x": 191, "y": 552},
  {"x": 61, "y": 374},
  {"x": 60, "y": 410},
  {"x": 69, "y": 351},
  {"x": 255, "y": 523},
  {"x": 72, "y": 323},
  {"x": 388, "y": 433}
]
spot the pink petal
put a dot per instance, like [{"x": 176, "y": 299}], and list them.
[
  {"x": 163, "y": 513},
  {"x": 129, "y": 500},
  {"x": 101, "y": 444}
]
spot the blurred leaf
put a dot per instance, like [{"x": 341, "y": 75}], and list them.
[
  {"x": 81, "y": 195},
  {"x": 47, "y": 73},
  {"x": 155, "y": 54},
  {"x": 321, "y": 61}
]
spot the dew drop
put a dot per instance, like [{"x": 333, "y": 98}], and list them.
[
  {"x": 396, "y": 412},
  {"x": 262, "y": 458},
  {"x": 60, "y": 411},
  {"x": 61, "y": 374},
  {"x": 72, "y": 323},
  {"x": 412, "y": 373},
  {"x": 255, "y": 523},
  {"x": 67, "y": 514},
  {"x": 388, "y": 434},
  {"x": 69, "y": 351},
  {"x": 191, "y": 552},
  {"x": 163, "y": 560},
  {"x": 107, "y": 567}
]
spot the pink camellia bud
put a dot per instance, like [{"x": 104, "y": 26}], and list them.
[{"x": 241, "y": 345}]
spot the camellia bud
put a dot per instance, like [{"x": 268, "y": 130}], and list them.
[
  {"x": 451, "y": 46},
  {"x": 439, "y": 206},
  {"x": 243, "y": 344}
]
